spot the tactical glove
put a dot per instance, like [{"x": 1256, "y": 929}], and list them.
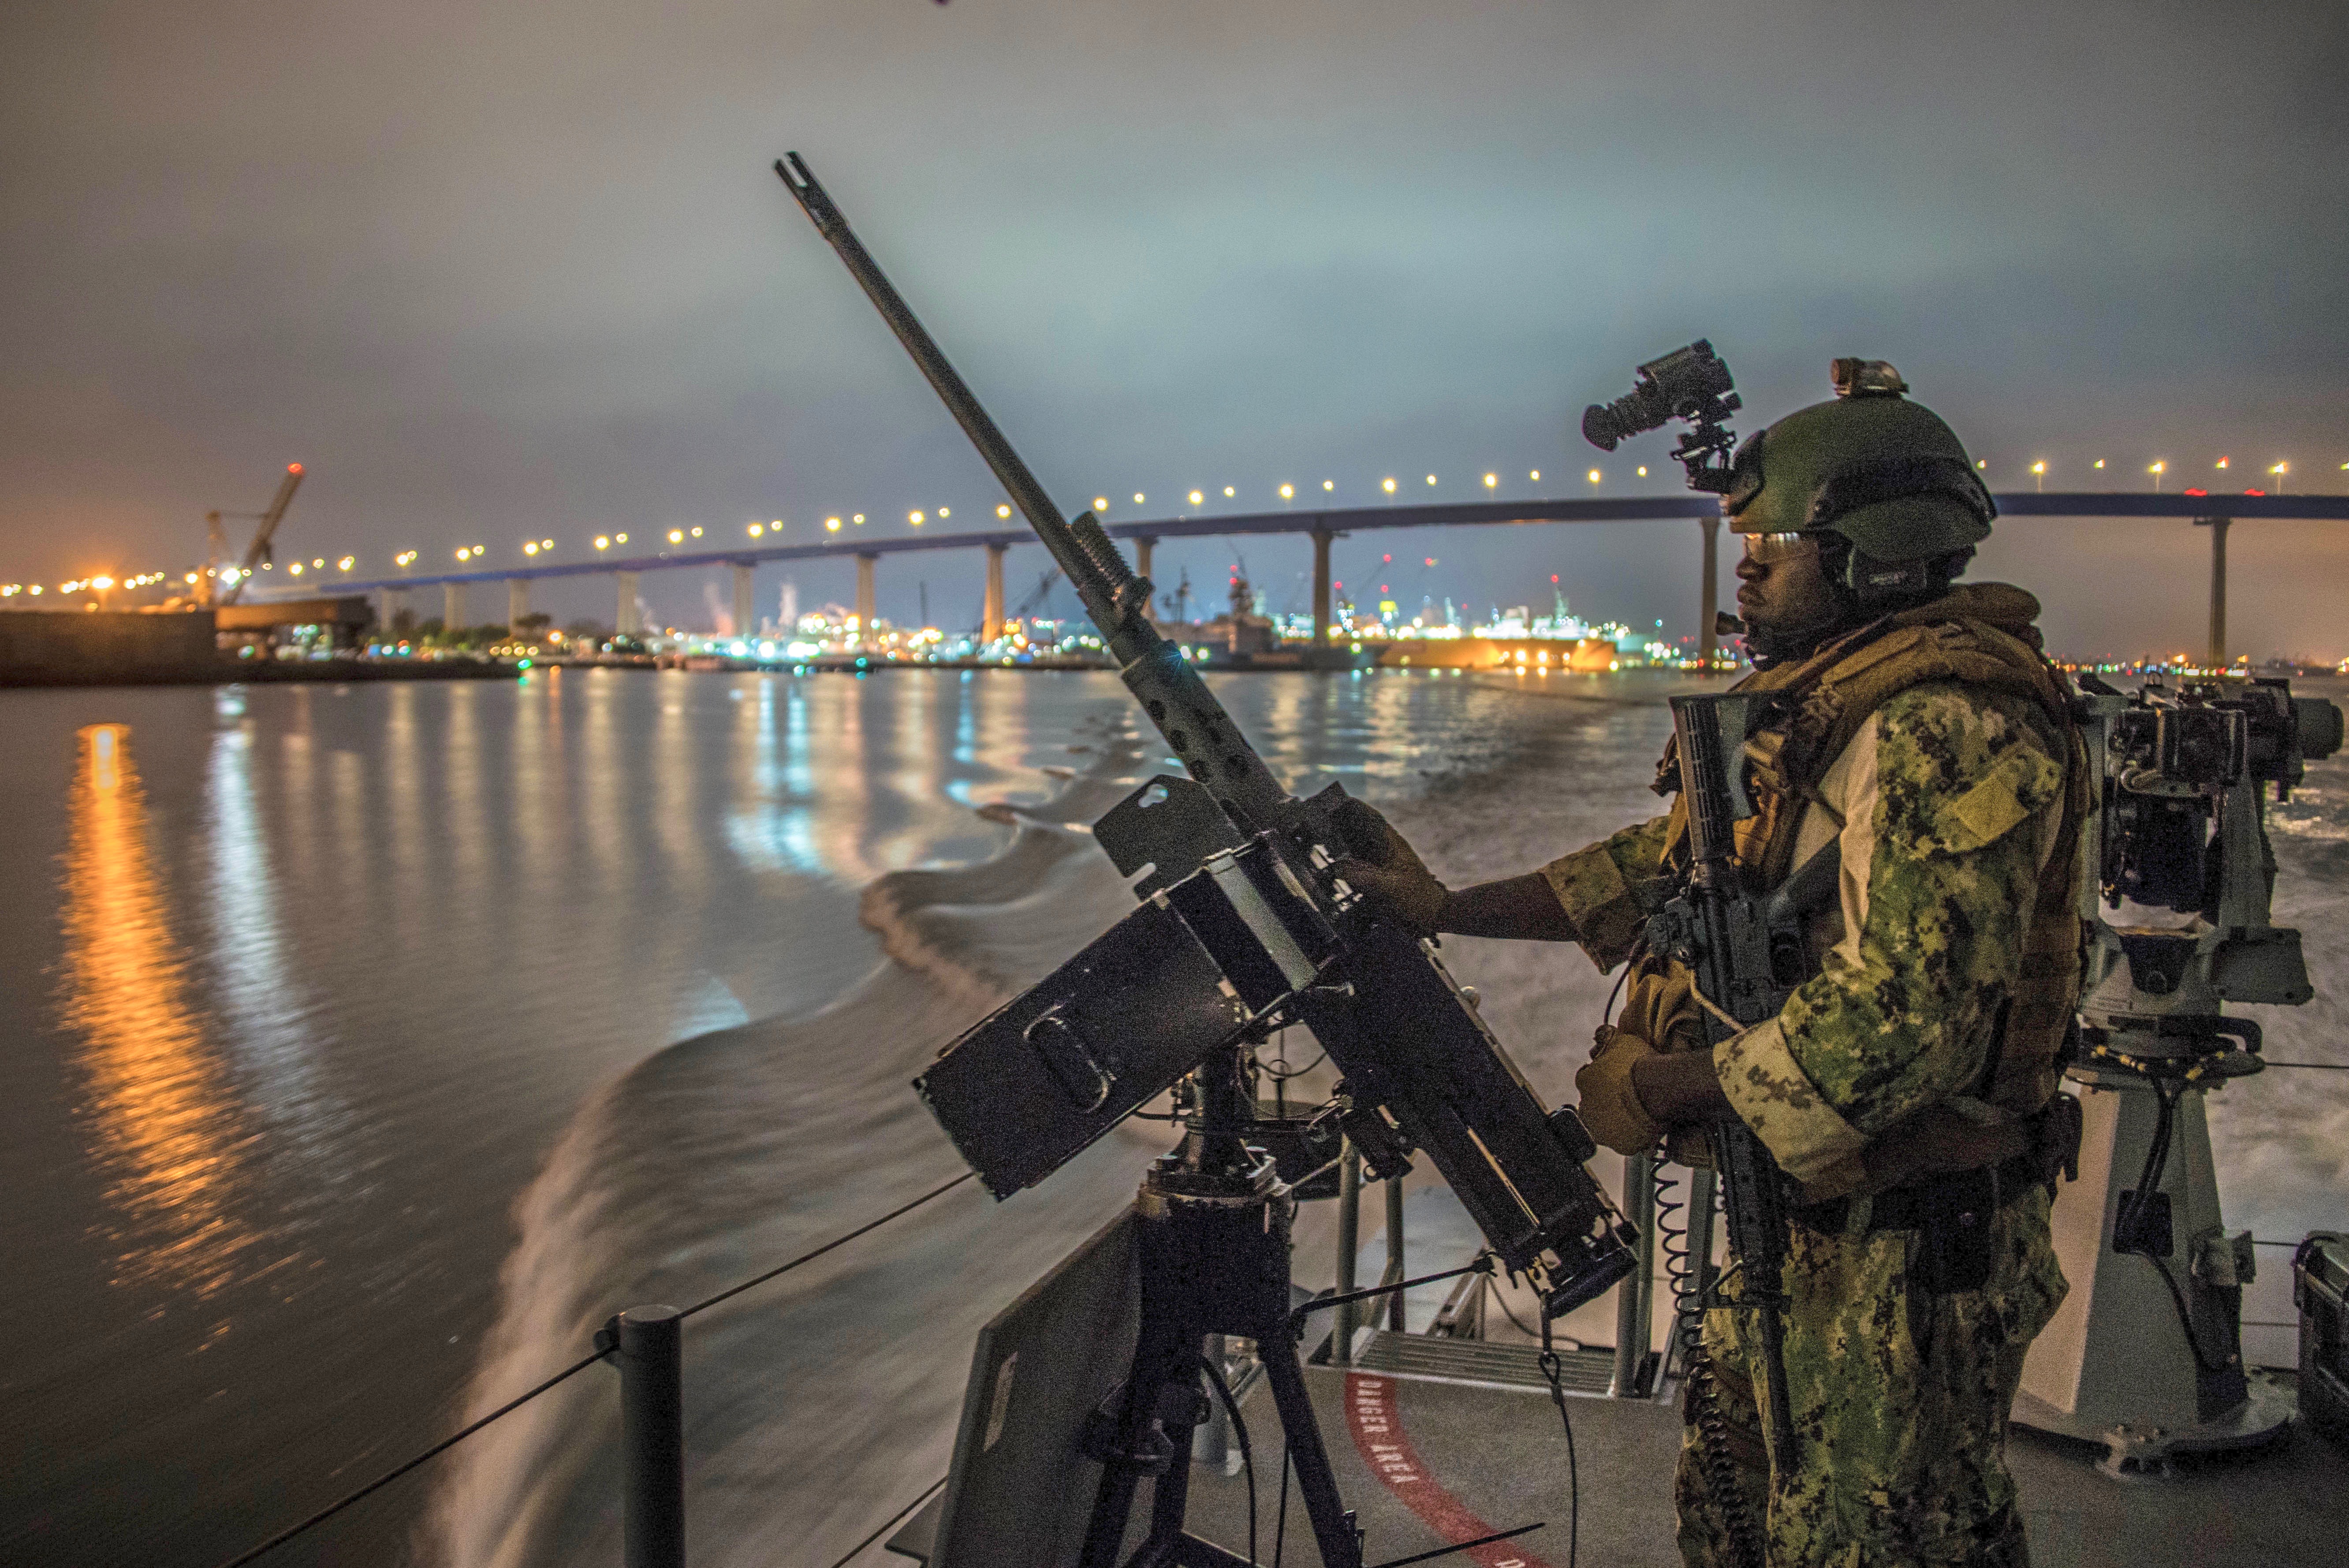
[
  {"x": 1387, "y": 872},
  {"x": 1610, "y": 1106}
]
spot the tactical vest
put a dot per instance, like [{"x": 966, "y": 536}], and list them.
[{"x": 1809, "y": 712}]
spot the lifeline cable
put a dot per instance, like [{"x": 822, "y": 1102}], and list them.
[
  {"x": 283, "y": 1536},
  {"x": 1549, "y": 1369},
  {"x": 928, "y": 1493}
]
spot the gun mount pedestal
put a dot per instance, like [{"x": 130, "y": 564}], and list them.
[
  {"x": 1212, "y": 1238},
  {"x": 2145, "y": 1355}
]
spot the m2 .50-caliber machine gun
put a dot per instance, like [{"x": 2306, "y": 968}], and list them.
[{"x": 1243, "y": 928}]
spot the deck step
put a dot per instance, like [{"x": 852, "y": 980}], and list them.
[{"x": 1481, "y": 1363}]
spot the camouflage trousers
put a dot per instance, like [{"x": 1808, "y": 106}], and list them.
[{"x": 1899, "y": 1400}]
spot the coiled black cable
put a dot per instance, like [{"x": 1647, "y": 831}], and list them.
[{"x": 1703, "y": 1392}]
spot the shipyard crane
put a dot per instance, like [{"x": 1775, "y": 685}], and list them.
[{"x": 216, "y": 543}]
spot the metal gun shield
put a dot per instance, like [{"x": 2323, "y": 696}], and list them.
[{"x": 1051, "y": 1070}]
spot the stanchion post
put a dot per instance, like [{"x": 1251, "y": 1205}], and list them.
[
  {"x": 1349, "y": 1243},
  {"x": 652, "y": 1436},
  {"x": 1632, "y": 1303},
  {"x": 1395, "y": 1271}
]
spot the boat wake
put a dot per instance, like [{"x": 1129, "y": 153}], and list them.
[{"x": 817, "y": 1403}]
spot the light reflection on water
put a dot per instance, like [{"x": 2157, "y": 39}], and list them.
[{"x": 161, "y": 1119}]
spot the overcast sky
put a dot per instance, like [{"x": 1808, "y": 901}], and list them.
[{"x": 497, "y": 271}]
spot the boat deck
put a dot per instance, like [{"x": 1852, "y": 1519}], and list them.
[{"x": 1440, "y": 1442}]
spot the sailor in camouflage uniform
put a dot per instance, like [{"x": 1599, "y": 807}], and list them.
[{"x": 1908, "y": 1089}]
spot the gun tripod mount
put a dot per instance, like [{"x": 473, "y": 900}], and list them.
[{"x": 1211, "y": 1236}]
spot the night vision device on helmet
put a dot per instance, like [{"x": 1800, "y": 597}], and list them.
[{"x": 1882, "y": 482}]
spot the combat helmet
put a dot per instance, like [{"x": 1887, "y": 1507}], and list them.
[{"x": 1884, "y": 473}]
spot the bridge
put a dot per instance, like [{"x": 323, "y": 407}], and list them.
[{"x": 2217, "y": 512}]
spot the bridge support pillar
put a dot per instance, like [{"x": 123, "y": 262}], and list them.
[
  {"x": 745, "y": 624},
  {"x": 452, "y": 605},
  {"x": 1321, "y": 538},
  {"x": 990, "y": 610},
  {"x": 864, "y": 612},
  {"x": 517, "y": 603},
  {"x": 627, "y": 622},
  {"x": 1707, "y": 639},
  {"x": 2218, "y": 527}
]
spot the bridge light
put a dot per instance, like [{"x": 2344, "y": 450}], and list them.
[
  {"x": 531, "y": 549},
  {"x": 1490, "y": 480},
  {"x": 914, "y": 518},
  {"x": 1643, "y": 470},
  {"x": 697, "y": 533},
  {"x": 1227, "y": 490},
  {"x": 295, "y": 569},
  {"x": 857, "y": 518},
  {"x": 103, "y": 583},
  {"x": 2100, "y": 462},
  {"x": 602, "y": 542},
  {"x": 2220, "y": 463},
  {"x": 1593, "y": 475},
  {"x": 944, "y": 512},
  {"x": 547, "y": 545},
  {"x": 757, "y": 529},
  {"x": 1289, "y": 492},
  {"x": 1329, "y": 484},
  {"x": 1387, "y": 485},
  {"x": 1196, "y": 498},
  {"x": 620, "y": 538},
  {"x": 1431, "y": 479},
  {"x": 1535, "y": 475}
]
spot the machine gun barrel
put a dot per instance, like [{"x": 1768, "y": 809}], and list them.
[
  {"x": 1178, "y": 702},
  {"x": 1730, "y": 951},
  {"x": 1243, "y": 923}
]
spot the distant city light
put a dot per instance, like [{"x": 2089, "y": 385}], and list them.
[
  {"x": 2219, "y": 464},
  {"x": 2100, "y": 462},
  {"x": 1643, "y": 470}
]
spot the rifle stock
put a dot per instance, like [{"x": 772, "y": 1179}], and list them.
[{"x": 1420, "y": 1069}]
